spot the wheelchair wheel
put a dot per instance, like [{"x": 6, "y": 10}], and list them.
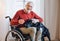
[{"x": 9, "y": 36}]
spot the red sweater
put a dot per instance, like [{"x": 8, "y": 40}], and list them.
[{"x": 22, "y": 15}]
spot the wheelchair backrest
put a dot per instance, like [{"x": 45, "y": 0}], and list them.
[{"x": 10, "y": 21}]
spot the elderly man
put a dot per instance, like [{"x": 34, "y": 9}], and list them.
[{"x": 22, "y": 15}]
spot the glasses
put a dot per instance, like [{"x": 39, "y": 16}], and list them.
[{"x": 29, "y": 5}]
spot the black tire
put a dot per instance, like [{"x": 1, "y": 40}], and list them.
[{"x": 17, "y": 33}]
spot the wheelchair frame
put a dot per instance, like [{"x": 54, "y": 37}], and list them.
[{"x": 13, "y": 31}]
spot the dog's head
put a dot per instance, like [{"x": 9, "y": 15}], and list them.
[{"x": 29, "y": 23}]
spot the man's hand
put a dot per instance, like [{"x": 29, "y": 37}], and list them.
[
  {"x": 35, "y": 20},
  {"x": 21, "y": 21}
]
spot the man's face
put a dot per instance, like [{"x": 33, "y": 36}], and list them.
[{"x": 29, "y": 6}]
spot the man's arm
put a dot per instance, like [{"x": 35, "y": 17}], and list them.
[
  {"x": 37, "y": 17},
  {"x": 14, "y": 21}
]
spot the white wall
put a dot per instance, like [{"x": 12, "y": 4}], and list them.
[
  {"x": 9, "y": 7},
  {"x": 2, "y": 22}
]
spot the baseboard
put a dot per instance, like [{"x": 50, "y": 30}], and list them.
[
  {"x": 54, "y": 40},
  {"x": 45, "y": 40}
]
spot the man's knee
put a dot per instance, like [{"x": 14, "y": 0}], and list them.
[
  {"x": 25, "y": 30},
  {"x": 33, "y": 29}
]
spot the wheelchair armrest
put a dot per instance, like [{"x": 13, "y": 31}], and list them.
[{"x": 14, "y": 26}]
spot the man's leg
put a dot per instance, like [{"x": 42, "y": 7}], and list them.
[
  {"x": 30, "y": 30},
  {"x": 38, "y": 35},
  {"x": 33, "y": 34}
]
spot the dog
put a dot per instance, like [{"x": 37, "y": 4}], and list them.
[{"x": 45, "y": 32}]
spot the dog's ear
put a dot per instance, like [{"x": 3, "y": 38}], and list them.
[
  {"x": 28, "y": 23},
  {"x": 41, "y": 24},
  {"x": 29, "y": 20},
  {"x": 38, "y": 23}
]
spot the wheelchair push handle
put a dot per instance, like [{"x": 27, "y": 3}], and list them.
[
  {"x": 8, "y": 17},
  {"x": 10, "y": 21}
]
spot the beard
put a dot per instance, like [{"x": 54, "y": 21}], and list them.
[{"x": 29, "y": 11}]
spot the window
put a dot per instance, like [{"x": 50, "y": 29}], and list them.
[
  {"x": 10, "y": 8},
  {"x": 14, "y": 5}
]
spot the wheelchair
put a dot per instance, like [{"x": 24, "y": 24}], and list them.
[{"x": 16, "y": 35}]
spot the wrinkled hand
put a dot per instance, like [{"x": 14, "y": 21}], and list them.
[
  {"x": 35, "y": 20},
  {"x": 21, "y": 21}
]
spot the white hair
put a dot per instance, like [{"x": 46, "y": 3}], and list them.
[{"x": 31, "y": 3}]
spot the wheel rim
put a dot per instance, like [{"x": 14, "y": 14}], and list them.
[{"x": 8, "y": 38}]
